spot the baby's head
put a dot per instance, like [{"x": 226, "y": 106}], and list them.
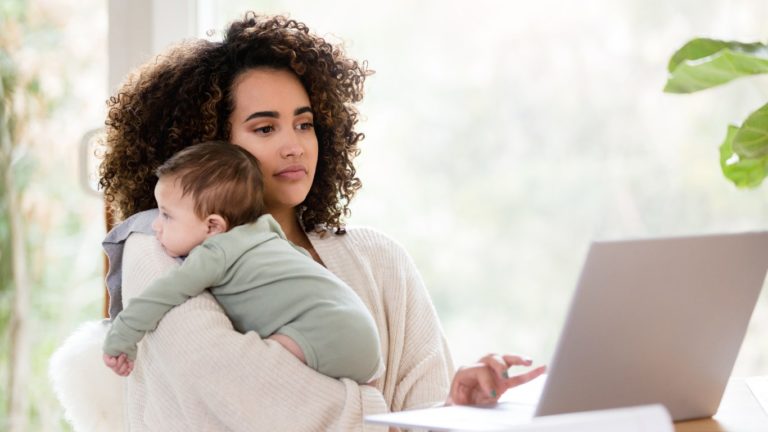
[{"x": 203, "y": 190}]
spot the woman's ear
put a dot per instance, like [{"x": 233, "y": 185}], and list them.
[{"x": 216, "y": 224}]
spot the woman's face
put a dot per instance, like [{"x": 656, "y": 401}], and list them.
[{"x": 273, "y": 120}]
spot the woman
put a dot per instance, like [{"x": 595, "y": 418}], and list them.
[{"x": 286, "y": 96}]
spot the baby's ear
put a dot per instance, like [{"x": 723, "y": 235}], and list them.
[{"x": 216, "y": 224}]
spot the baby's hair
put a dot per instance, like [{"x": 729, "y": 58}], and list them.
[{"x": 221, "y": 178}]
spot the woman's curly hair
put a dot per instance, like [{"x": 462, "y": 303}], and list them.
[{"x": 185, "y": 97}]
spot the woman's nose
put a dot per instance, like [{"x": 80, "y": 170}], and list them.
[{"x": 291, "y": 145}]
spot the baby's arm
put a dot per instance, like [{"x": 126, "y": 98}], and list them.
[
  {"x": 227, "y": 366},
  {"x": 290, "y": 345},
  {"x": 201, "y": 270}
]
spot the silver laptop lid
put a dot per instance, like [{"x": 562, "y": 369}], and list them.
[{"x": 656, "y": 321}]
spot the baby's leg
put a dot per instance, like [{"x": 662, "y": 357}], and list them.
[{"x": 290, "y": 345}]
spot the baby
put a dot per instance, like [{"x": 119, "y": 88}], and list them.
[{"x": 211, "y": 210}]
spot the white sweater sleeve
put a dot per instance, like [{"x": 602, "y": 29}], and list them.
[
  {"x": 419, "y": 367},
  {"x": 425, "y": 368},
  {"x": 420, "y": 362},
  {"x": 195, "y": 372}
]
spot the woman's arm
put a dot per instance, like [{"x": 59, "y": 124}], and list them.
[
  {"x": 418, "y": 362},
  {"x": 424, "y": 366},
  {"x": 195, "y": 372},
  {"x": 425, "y": 374},
  {"x": 421, "y": 368}
]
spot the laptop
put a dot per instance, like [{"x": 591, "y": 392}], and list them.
[{"x": 652, "y": 321}]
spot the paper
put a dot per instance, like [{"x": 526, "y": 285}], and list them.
[
  {"x": 647, "y": 418},
  {"x": 517, "y": 418}
]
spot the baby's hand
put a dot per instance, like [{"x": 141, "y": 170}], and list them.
[{"x": 121, "y": 365}]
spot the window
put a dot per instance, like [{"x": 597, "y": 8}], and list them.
[
  {"x": 502, "y": 137},
  {"x": 53, "y": 70}
]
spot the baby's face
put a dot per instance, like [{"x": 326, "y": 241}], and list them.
[{"x": 177, "y": 227}]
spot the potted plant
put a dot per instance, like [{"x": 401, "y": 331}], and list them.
[{"x": 703, "y": 63}]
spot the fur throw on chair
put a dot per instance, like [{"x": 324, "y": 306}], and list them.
[{"x": 91, "y": 394}]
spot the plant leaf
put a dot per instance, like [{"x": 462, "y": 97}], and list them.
[
  {"x": 704, "y": 63},
  {"x": 751, "y": 141},
  {"x": 743, "y": 172}
]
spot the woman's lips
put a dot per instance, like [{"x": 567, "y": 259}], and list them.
[{"x": 293, "y": 172}]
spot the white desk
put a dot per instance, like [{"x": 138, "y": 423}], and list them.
[{"x": 739, "y": 412}]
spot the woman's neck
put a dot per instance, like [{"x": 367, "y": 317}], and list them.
[
  {"x": 293, "y": 231},
  {"x": 290, "y": 225}
]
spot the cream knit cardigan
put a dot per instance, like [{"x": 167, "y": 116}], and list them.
[{"x": 195, "y": 373}]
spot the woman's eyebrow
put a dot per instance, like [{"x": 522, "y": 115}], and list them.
[
  {"x": 272, "y": 114},
  {"x": 302, "y": 110},
  {"x": 275, "y": 114}
]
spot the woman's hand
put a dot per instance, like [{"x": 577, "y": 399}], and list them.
[{"x": 485, "y": 381}]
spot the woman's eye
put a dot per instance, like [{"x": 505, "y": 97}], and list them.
[
  {"x": 306, "y": 125},
  {"x": 264, "y": 129}
]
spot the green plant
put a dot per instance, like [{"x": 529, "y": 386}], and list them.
[{"x": 704, "y": 63}]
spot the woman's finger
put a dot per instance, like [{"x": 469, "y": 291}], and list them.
[
  {"x": 516, "y": 360},
  {"x": 523, "y": 378},
  {"x": 485, "y": 381},
  {"x": 500, "y": 363},
  {"x": 488, "y": 381},
  {"x": 496, "y": 363},
  {"x": 474, "y": 384},
  {"x": 487, "y": 389}
]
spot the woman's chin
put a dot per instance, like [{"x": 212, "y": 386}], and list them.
[{"x": 288, "y": 202}]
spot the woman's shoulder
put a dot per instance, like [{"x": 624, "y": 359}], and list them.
[
  {"x": 363, "y": 241},
  {"x": 366, "y": 254},
  {"x": 143, "y": 261},
  {"x": 375, "y": 265},
  {"x": 370, "y": 236}
]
